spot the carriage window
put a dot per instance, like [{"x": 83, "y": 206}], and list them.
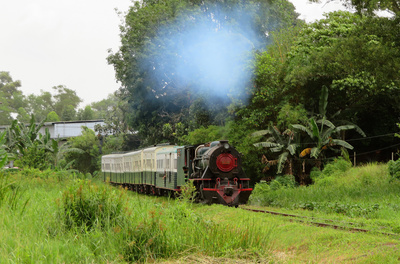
[{"x": 175, "y": 164}]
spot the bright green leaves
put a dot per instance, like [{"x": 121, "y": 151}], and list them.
[{"x": 33, "y": 148}]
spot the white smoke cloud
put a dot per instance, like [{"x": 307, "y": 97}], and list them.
[{"x": 209, "y": 53}]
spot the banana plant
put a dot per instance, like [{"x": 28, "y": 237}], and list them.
[
  {"x": 322, "y": 133},
  {"x": 284, "y": 144},
  {"x": 21, "y": 137}
]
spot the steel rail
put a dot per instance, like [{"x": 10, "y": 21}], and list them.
[{"x": 299, "y": 218}]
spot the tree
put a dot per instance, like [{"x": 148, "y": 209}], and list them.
[
  {"x": 23, "y": 116},
  {"x": 68, "y": 113},
  {"x": 86, "y": 114},
  {"x": 5, "y": 111},
  {"x": 104, "y": 107},
  {"x": 161, "y": 63},
  {"x": 58, "y": 154},
  {"x": 11, "y": 97},
  {"x": 40, "y": 105},
  {"x": 86, "y": 160},
  {"x": 356, "y": 57},
  {"x": 52, "y": 117},
  {"x": 9, "y": 88},
  {"x": 65, "y": 98},
  {"x": 269, "y": 92},
  {"x": 369, "y": 6}
]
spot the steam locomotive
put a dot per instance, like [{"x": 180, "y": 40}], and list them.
[{"x": 214, "y": 168}]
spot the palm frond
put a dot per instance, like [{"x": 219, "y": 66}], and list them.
[
  {"x": 261, "y": 133},
  {"x": 323, "y": 100},
  {"x": 276, "y": 134},
  {"x": 342, "y": 143},
  {"x": 326, "y": 135},
  {"x": 292, "y": 148},
  {"x": 326, "y": 122},
  {"x": 281, "y": 161},
  {"x": 277, "y": 149},
  {"x": 266, "y": 144},
  {"x": 315, "y": 152},
  {"x": 315, "y": 130},
  {"x": 304, "y": 129},
  {"x": 344, "y": 128}
]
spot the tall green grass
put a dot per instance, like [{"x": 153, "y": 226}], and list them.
[
  {"x": 143, "y": 230},
  {"x": 86, "y": 205},
  {"x": 70, "y": 219},
  {"x": 367, "y": 191},
  {"x": 73, "y": 220},
  {"x": 11, "y": 193}
]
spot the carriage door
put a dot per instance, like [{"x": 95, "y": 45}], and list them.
[
  {"x": 169, "y": 168},
  {"x": 174, "y": 169}
]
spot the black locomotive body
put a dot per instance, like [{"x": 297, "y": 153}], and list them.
[{"x": 218, "y": 175}]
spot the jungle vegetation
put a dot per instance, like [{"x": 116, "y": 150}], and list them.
[
  {"x": 355, "y": 56},
  {"x": 289, "y": 65}
]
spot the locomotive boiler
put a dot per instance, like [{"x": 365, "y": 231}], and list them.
[{"x": 214, "y": 168}]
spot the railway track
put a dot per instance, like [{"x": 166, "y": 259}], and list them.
[{"x": 348, "y": 226}]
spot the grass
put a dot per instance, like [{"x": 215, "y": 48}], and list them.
[
  {"x": 66, "y": 218},
  {"x": 77, "y": 221},
  {"x": 366, "y": 191}
]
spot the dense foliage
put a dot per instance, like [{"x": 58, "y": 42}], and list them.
[
  {"x": 164, "y": 79},
  {"x": 355, "y": 57},
  {"x": 196, "y": 71}
]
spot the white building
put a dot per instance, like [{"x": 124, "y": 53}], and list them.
[{"x": 65, "y": 129}]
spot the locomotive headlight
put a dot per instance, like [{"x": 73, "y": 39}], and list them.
[{"x": 226, "y": 145}]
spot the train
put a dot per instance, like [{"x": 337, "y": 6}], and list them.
[{"x": 215, "y": 168}]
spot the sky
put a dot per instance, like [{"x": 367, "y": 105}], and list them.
[{"x": 46, "y": 43}]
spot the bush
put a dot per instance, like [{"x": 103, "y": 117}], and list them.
[
  {"x": 285, "y": 181},
  {"x": 86, "y": 205},
  {"x": 204, "y": 134},
  {"x": 334, "y": 169},
  {"x": 338, "y": 166},
  {"x": 394, "y": 169},
  {"x": 262, "y": 191}
]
